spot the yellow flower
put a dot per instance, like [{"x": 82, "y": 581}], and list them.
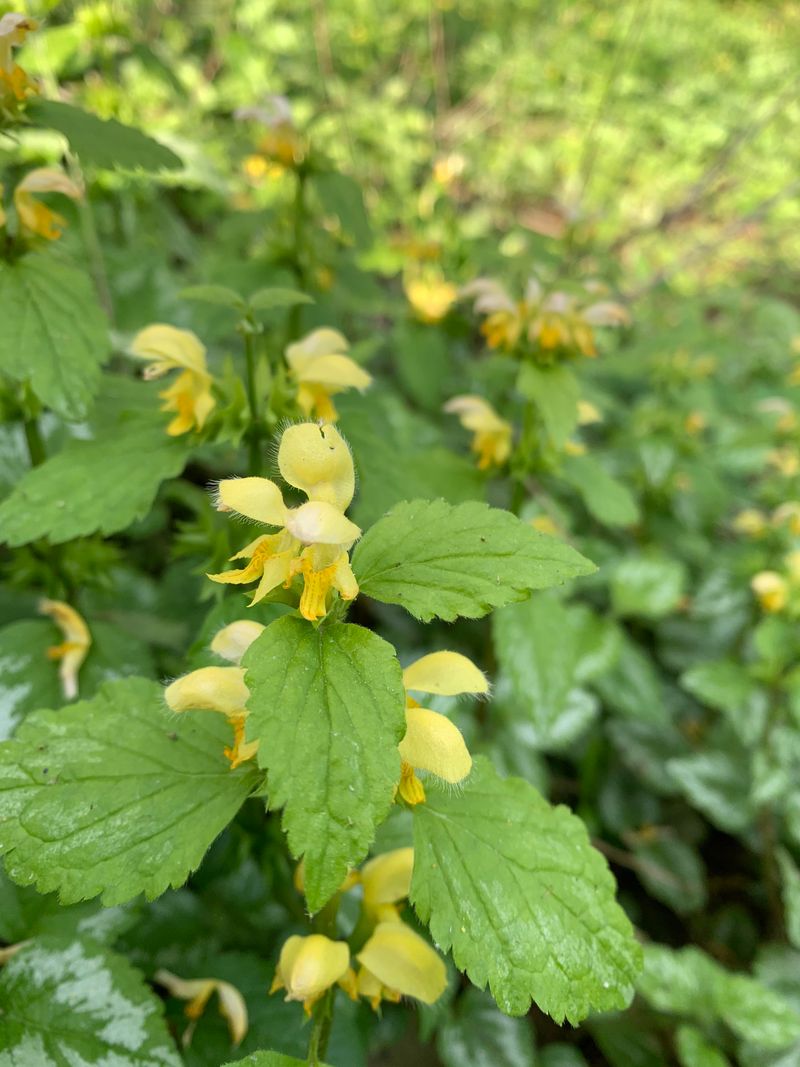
[
  {"x": 588, "y": 413},
  {"x": 34, "y": 216},
  {"x": 219, "y": 689},
  {"x": 694, "y": 423},
  {"x": 14, "y": 82},
  {"x": 233, "y": 640},
  {"x": 198, "y": 992},
  {"x": 386, "y": 881},
  {"x": 432, "y": 742},
  {"x": 168, "y": 348},
  {"x": 492, "y": 440},
  {"x": 785, "y": 460},
  {"x": 771, "y": 590},
  {"x": 792, "y": 563},
  {"x": 430, "y": 296},
  {"x": 309, "y": 966},
  {"x": 505, "y": 317},
  {"x": 751, "y": 522},
  {"x": 321, "y": 370},
  {"x": 396, "y": 962},
  {"x": 75, "y": 646},
  {"x": 574, "y": 448},
  {"x": 544, "y": 524},
  {"x": 313, "y": 539},
  {"x": 788, "y": 513}
]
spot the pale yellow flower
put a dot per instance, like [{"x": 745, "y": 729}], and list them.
[
  {"x": 319, "y": 366},
  {"x": 233, "y": 640},
  {"x": 198, "y": 992},
  {"x": 788, "y": 513},
  {"x": 397, "y": 962},
  {"x": 386, "y": 881},
  {"x": 751, "y": 522},
  {"x": 771, "y": 590},
  {"x": 219, "y": 689},
  {"x": 430, "y": 296},
  {"x": 75, "y": 646},
  {"x": 309, "y": 966},
  {"x": 492, "y": 434},
  {"x": 169, "y": 348},
  {"x": 588, "y": 413},
  {"x": 34, "y": 216}
]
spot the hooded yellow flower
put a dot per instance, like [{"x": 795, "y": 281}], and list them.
[
  {"x": 430, "y": 296},
  {"x": 386, "y": 880},
  {"x": 168, "y": 348},
  {"x": 492, "y": 440},
  {"x": 233, "y": 640},
  {"x": 313, "y": 539},
  {"x": 771, "y": 589},
  {"x": 75, "y": 647},
  {"x": 219, "y": 689},
  {"x": 309, "y": 966},
  {"x": 396, "y": 962},
  {"x": 34, "y": 216},
  {"x": 198, "y": 992},
  {"x": 751, "y": 522},
  {"x": 321, "y": 369},
  {"x": 14, "y": 28},
  {"x": 432, "y": 742}
]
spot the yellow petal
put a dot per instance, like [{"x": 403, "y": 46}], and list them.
[
  {"x": 334, "y": 373},
  {"x": 433, "y": 743},
  {"x": 344, "y": 581},
  {"x": 322, "y": 524},
  {"x": 321, "y": 342},
  {"x": 233, "y": 640},
  {"x": 75, "y": 647},
  {"x": 401, "y": 960},
  {"x": 167, "y": 347},
  {"x": 446, "y": 674},
  {"x": 588, "y": 413},
  {"x": 476, "y": 414},
  {"x": 310, "y": 965},
  {"x": 606, "y": 313},
  {"x": 197, "y": 991},
  {"x": 771, "y": 590},
  {"x": 49, "y": 180},
  {"x": 317, "y": 460},
  {"x": 209, "y": 688},
  {"x": 387, "y": 878},
  {"x": 255, "y": 498}
]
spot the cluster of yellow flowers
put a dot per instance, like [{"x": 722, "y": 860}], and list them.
[
  {"x": 752, "y": 522},
  {"x": 554, "y": 323},
  {"x": 393, "y": 961},
  {"x": 281, "y": 147}
]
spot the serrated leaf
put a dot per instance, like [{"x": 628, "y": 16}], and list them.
[
  {"x": 439, "y": 560},
  {"x": 481, "y": 1036},
  {"x": 103, "y": 142},
  {"x": 117, "y": 795},
  {"x": 555, "y": 392},
  {"x": 328, "y": 707},
  {"x": 68, "y": 1002},
  {"x": 100, "y": 485},
  {"x": 55, "y": 334},
  {"x": 514, "y": 887},
  {"x": 29, "y": 678},
  {"x": 606, "y": 498},
  {"x": 213, "y": 294},
  {"x": 275, "y": 297}
]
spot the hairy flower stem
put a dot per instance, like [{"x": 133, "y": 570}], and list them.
[{"x": 321, "y": 1028}]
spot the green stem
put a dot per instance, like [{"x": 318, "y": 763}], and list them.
[
  {"x": 33, "y": 437},
  {"x": 97, "y": 263},
  {"x": 254, "y": 430},
  {"x": 321, "y": 1029}
]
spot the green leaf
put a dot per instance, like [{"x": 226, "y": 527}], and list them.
[
  {"x": 717, "y": 783},
  {"x": 103, "y": 142},
  {"x": 73, "y": 1002},
  {"x": 328, "y": 707},
  {"x": 54, "y": 335},
  {"x": 213, "y": 294},
  {"x": 727, "y": 685},
  {"x": 269, "y": 1059},
  {"x": 116, "y": 795},
  {"x": 527, "y": 905},
  {"x": 266, "y": 299},
  {"x": 672, "y": 871},
  {"x": 440, "y": 560},
  {"x": 651, "y": 588},
  {"x": 688, "y": 982},
  {"x": 561, "y": 1055},
  {"x": 695, "y": 1051},
  {"x": 536, "y": 644},
  {"x": 29, "y": 679},
  {"x": 341, "y": 196},
  {"x": 790, "y": 877},
  {"x": 100, "y": 485},
  {"x": 481, "y": 1036},
  {"x": 555, "y": 392},
  {"x": 607, "y": 499}
]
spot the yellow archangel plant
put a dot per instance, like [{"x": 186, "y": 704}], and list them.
[
  {"x": 313, "y": 539},
  {"x": 14, "y": 82},
  {"x": 492, "y": 434},
  {"x": 432, "y": 743},
  {"x": 167, "y": 348},
  {"x": 320, "y": 369},
  {"x": 74, "y": 648},
  {"x": 221, "y": 689},
  {"x": 35, "y": 218},
  {"x": 198, "y": 992}
]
